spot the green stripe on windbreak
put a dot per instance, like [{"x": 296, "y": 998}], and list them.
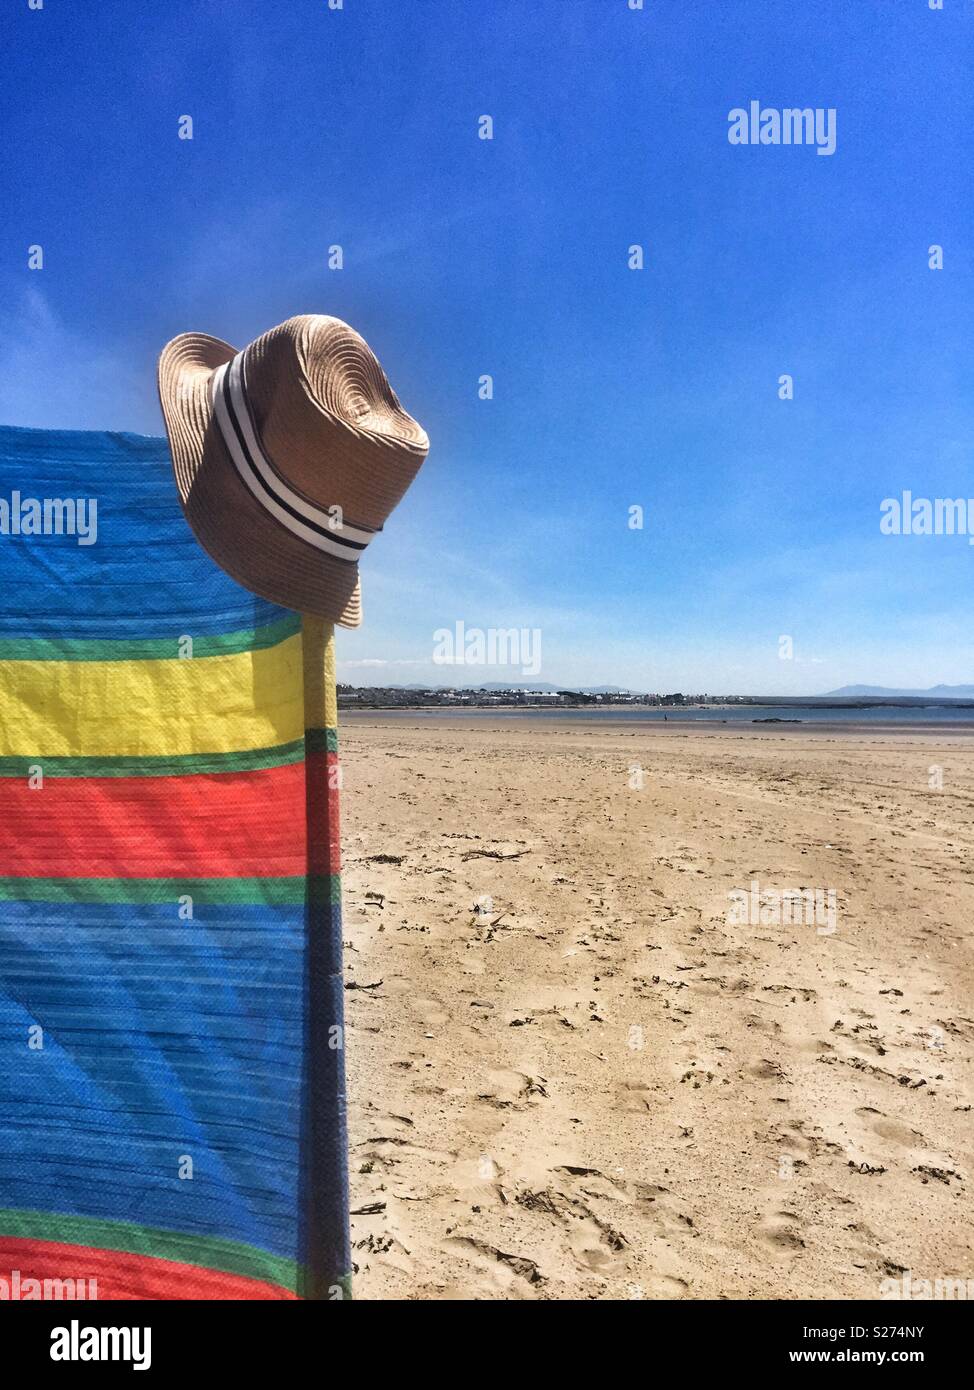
[
  {"x": 321, "y": 740},
  {"x": 324, "y": 888},
  {"x": 208, "y": 1252},
  {"x": 147, "y": 648},
  {"x": 271, "y": 892},
  {"x": 156, "y": 765}
]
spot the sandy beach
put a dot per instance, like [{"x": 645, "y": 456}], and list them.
[{"x": 574, "y": 1074}]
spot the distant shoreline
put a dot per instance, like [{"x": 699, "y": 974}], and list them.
[
  {"x": 619, "y": 719},
  {"x": 672, "y": 711}
]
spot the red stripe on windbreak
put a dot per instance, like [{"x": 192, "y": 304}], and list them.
[
  {"x": 324, "y": 855},
  {"x": 227, "y": 825},
  {"x": 334, "y": 836},
  {"x": 119, "y": 1274}
]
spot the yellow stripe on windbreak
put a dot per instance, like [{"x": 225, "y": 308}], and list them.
[
  {"x": 213, "y": 704},
  {"x": 320, "y": 695}
]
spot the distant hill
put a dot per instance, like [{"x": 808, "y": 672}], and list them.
[{"x": 935, "y": 692}]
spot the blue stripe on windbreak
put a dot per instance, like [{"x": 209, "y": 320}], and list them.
[
  {"x": 146, "y": 576},
  {"x": 164, "y": 1038}
]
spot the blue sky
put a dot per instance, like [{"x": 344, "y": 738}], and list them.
[{"x": 508, "y": 257}]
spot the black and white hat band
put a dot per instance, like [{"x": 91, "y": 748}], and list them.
[{"x": 324, "y": 528}]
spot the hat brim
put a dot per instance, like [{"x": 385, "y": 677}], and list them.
[{"x": 226, "y": 518}]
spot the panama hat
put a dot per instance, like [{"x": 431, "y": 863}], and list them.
[{"x": 288, "y": 457}]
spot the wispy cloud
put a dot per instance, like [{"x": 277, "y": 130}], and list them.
[{"x": 53, "y": 377}]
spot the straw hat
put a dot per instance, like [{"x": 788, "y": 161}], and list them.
[{"x": 288, "y": 456}]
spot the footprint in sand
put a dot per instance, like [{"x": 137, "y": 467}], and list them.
[
  {"x": 590, "y": 1246},
  {"x": 780, "y": 1232},
  {"x": 661, "y": 1286},
  {"x": 904, "y": 1145},
  {"x": 633, "y": 1098},
  {"x": 662, "y": 1214},
  {"x": 511, "y": 1087},
  {"x": 500, "y": 1270},
  {"x": 893, "y": 1130},
  {"x": 594, "y": 1241},
  {"x": 767, "y": 1069}
]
